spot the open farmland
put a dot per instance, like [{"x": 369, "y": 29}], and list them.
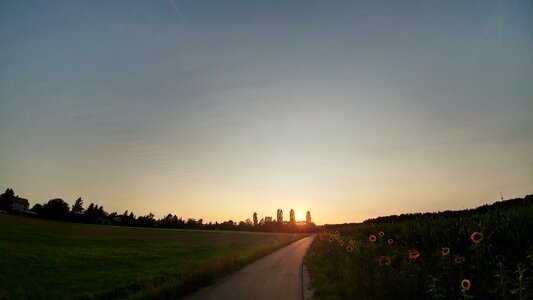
[{"x": 46, "y": 259}]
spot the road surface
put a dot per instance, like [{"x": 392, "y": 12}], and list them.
[{"x": 275, "y": 276}]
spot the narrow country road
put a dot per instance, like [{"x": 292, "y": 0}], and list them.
[{"x": 275, "y": 276}]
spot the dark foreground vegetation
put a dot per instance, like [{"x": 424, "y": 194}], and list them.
[
  {"x": 42, "y": 259},
  {"x": 483, "y": 253},
  {"x": 59, "y": 210}
]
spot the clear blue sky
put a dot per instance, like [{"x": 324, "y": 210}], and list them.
[{"x": 217, "y": 109}]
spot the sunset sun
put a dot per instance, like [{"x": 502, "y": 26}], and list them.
[{"x": 300, "y": 216}]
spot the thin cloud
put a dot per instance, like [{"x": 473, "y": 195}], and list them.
[{"x": 178, "y": 11}]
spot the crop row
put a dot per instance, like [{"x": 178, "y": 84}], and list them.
[{"x": 483, "y": 256}]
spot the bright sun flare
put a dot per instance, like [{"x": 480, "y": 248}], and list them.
[{"x": 299, "y": 216}]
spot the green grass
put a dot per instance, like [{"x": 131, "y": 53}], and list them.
[
  {"x": 54, "y": 260},
  {"x": 498, "y": 267}
]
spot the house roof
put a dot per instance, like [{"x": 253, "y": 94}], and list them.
[{"x": 22, "y": 201}]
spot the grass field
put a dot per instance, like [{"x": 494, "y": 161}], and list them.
[
  {"x": 42, "y": 259},
  {"x": 485, "y": 255}
]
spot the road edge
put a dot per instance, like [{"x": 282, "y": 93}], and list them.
[
  {"x": 196, "y": 294},
  {"x": 307, "y": 289}
]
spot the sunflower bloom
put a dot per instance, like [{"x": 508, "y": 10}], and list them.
[
  {"x": 330, "y": 240},
  {"x": 352, "y": 242},
  {"x": 337, "y": 233},
  {"x": 465, "y": 285},
  {"x": 413, "y": 254},
  {"x": 390, "y": 241},
  {"x": 445, "y": 251},
  {"x": 476, "y": 237},
  {"x": 384, "y": 261},
  {"x": 349, "y": 249},
  {"x": 381, "y": 233},
  {"x": 341, "y": 243},
  {"x": 459, "y": 260},
  {"x": 372, "y": 238}
]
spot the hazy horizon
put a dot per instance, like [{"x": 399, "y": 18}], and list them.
[{"x": 216, "y": 110}]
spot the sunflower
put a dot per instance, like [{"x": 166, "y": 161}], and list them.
[
  {"x": 337, "y": 233},
  {"x": 445, "y": 251},
  {"x": 381, "y": 233},
  {"x": 352, "y": 242},
  {"x": 465, "y": 285},
  {"x": 459, "y": 260},
  {"x": 330, "y": 240},
  {"x": 413, "y": 254},
  {"x": 476, "y": 237},
  {"x": 372, "y": 238},
  {"x": 384, "y": 261},
  {"x": 349, "y": 249},
  {"x": 341, "y": 243},
  {"x": 390, "y": 241}
]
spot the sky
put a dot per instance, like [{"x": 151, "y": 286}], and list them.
[{"x": 218, "y": 109}]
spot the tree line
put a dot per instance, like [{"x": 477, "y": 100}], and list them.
[
  {"x": 59, "y": 210},
  {"x": 503, "y": 204},
  {"x": 392, "y": 219}
]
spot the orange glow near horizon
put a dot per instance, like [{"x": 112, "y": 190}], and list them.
[{"x": 300, "y": 216}]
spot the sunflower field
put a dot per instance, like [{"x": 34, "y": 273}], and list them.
[{"x": 482, "y": 255}]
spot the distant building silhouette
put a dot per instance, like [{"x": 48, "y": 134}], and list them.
[
  {"x": 279, "y": 217},
  {"x": 20, "y": 204},
  {"x": 292, "y": 217}
]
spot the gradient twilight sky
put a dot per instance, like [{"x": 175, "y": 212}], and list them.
[{"x": 217, "y": 109}]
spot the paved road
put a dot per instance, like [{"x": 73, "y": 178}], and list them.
[{"x": 275, "y": 276}]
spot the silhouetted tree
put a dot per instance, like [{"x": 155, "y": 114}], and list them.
[
  {"x": 308, "y": 217},
  {"x": 193, "y": 223},
  {"x": 167, "y": 221},
  {"x": 77, "y": 208},
  {"x": 146, "y": 221},
  {"x": 292, "y": 218},
  {"x": 7, "y": 199},
  {"x": 95, "y": 214},
  {"x": 37, "y": 208},
  {"x": 227, "y": 225},
  {"x": 255, "y": 219},
  {"x": 89, "y": 215},
  {"x": 126, "y": 219},
  {"x": 101, "y": 212},
  {"x": 179, "y": 221},
  {"x": 101, "y": 216},
  {"x": 56, "y": 209},
  {"x": 242, "y": 224},
  {"x": 171, "y": 221}
]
